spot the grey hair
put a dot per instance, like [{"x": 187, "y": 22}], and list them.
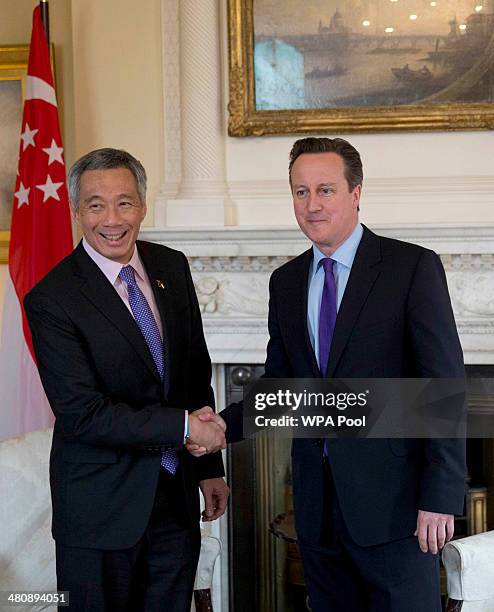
[{"x": 105, "y": 159}]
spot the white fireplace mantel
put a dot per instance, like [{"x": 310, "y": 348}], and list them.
[{"x": 231, "y": 268}]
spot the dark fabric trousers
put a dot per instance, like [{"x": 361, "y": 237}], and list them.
[
  {"x": 155, "y": 575},
  {"x": 342, "y": 576}
]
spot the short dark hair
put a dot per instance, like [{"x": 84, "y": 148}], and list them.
[
  {"x": 105, "y": 159},
  {"x": 351, "y": 158}
]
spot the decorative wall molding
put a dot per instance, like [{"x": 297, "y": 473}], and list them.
[
  {"x": 425, "y": 185},
  {"x": 265, "y": 202},
  {"x": 236, "y": 264},
  {"x": 399, "y": 199},
  {"x": 468, "y": 261},
  {"x": 448, "y": 239},
  {"x": 202, "y": 138},
  {"x": 172, "y": 137},
  {"x": 194, "y": 184}
]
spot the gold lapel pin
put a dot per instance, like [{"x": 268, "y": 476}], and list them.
[{"x": 160, "y": 283}]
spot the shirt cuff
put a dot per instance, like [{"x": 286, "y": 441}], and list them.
[{"x": 186, "y": 426}]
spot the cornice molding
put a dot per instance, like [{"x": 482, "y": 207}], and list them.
[
  {"x": 445, "y": 239},
  {"x": 409, "y": 185}
]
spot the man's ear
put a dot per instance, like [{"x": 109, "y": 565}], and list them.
[
  {"x": 356, "y": 196},
  {"x": 74, "y": 214}
]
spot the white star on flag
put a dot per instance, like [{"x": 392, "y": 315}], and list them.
[
  {"x": 50, "y": 189},
  {"x": 22, "y": 195},
  {"x": 54, "y": 153},
  {"x": 28, "y": 137}
]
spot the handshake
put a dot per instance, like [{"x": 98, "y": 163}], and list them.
[{"x": 206, "y": 432}]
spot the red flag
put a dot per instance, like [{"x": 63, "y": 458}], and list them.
[{"x": 41, "y": 233}]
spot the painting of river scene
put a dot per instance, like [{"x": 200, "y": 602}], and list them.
[
  {"x": 326, "y": 54},
  {"x": 10, "y": 128}
]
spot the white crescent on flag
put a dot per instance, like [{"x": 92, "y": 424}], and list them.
[{"x": 37, "y": 89}]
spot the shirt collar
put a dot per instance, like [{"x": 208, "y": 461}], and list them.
[
  {"x": 111, "y": 269},
  {"x": 344, "y": 254}
]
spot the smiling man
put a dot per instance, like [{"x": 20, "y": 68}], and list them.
[
  {"x": 109, "y": 229},
  {"x": 121, "y": 353},
  {"x": 370, "y": 514}
]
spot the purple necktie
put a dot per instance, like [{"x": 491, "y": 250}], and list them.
[
  {"x": 327, "y": 320},
  {"x": 149, "y": 328},
  {"x": 327, "y": 315}
]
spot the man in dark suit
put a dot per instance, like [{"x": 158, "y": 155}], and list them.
[
  {"x": 370, "y": 514},
  {"x": 119, "y": 343}
]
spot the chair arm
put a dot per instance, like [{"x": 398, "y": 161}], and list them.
[{"x": 469, "y": 564}]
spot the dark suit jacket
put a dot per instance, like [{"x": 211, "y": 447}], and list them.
[
  {"x": 395, "y": 321},
  {"x": 113, "y": 413}
]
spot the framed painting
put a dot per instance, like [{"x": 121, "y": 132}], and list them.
[
  {"x": 360, "y": 65},
  {"x": 13, "y": 71}
]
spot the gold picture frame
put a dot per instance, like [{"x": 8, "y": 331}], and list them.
[
  {"x": 4, "y": 246},
  {"x": 245, "y": 119}
]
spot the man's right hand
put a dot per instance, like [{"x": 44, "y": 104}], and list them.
[
  {"x": 206, "y": 434},
  {"x": 206, "y": 413}
]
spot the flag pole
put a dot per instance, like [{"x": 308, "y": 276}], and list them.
[{"x": 45, "y": 18}]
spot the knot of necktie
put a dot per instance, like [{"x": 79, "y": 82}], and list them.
[
  {"x": 128, "y": 276},
  {"x": 327, "y": 264}
]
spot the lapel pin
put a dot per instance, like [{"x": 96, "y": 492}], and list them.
[{"x": 160, "y": 283}]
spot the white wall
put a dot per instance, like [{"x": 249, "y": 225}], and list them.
[
  {"x": 428, "y": 154},
  {"x": 408, "y": 178},
  {"x": 117, "y": 81}
]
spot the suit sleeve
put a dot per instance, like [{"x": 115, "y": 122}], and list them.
[
  {"x": 208, "y": 466},
  {"x": 437, "y": 354},
  {"x": 83, "y": 411}
]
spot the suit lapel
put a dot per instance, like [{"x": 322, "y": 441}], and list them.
[
  {"x": 296, "y": 299},
  {"x": 95, "y": 287},
  {"x": 363, "y": 275}
]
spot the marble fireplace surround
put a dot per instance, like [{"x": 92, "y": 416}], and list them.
[{"x": 231, "y": 269}]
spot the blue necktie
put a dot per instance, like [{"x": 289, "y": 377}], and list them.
[{"x": 149, "y": 329}]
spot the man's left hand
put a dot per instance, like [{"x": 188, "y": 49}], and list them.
[
  {"x": 215, "y": 492},
  {"x": 434, "y": 530}
]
